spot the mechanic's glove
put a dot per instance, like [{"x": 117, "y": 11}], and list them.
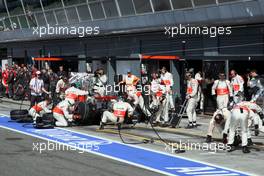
[
  {"x": 239, "y": 93},
  {"x": 231, "y": 99},
  {"x": 252, "y": 100},
  {"x": 188, "y": 97},
  {"x": 162, "y": 98},
  {"x": 225, "y": 138},
  {"x": 76, "y": 117}
]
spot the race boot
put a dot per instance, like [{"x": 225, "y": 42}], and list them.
[
  {"x": 245, "y": 149},
  {"x": 237, "y": 140},
  {"x": 231, "y": 148},
  {"x": 70, "y": 124},
  {"x": 208, "y": 139},
  {"x": 194, "y": 124},
  {"x": 155, "y": 123},
  {"x": 256, "y": 130},
  {"x": 119, "y": 126},
  {"x": 224, "y": 138},
  {"x": 37, "y": 120},
  {"x": 189, "y": 126},
  {"x": 250, "y": 142},
  {"x": 101, "y": 126},
  {"x": 165, "y": 124}
]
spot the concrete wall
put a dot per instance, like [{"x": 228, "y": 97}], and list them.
[
  {"x": 245, "y": 12},
  {"x": 243, "y": 41}
]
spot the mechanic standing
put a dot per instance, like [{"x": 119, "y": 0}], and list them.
[
  {"x": 61, "y": 86},
  {"x": 159, "y": 102},
  {"x": 36, "y": 86},
  {"x": 130, "y": 80},
  {"x": 256, "y": 84},
  {"x": 192, "y": 96},
  {"x": 155, "y": 90},
  {"x": 167, "y": 80},
  {"x": 100, "y": 82},
  {"x": 199, "y": 78},
  {"x": 120, "y": 108},
  {"x": 237, "y": 83},
  {"x": 163, "y": 107},
  {"x": 73, "y": 92},
  {"x": 223, "y": 91}
]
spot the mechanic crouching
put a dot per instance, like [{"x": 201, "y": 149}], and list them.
[
  {"x": 100, "y": 81},
  {"x": 40, "y": 108},
  {"x": 63, "y": 112},
  {"x": 242, "y": 114},
  {"x": 221, "y": 120},
  {"x": 117, "y": 114}
]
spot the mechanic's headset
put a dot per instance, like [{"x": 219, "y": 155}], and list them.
[
  {"x": 188, "y": 74},
  {"x": 124, "y": 98},
  {"x": 155, "y": 75},
  {"x": 219, "y": 118}
]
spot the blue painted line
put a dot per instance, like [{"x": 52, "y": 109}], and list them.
[{"x": 145, "y": 158}]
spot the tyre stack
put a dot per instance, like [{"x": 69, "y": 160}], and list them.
[{"x": 20, "y": 116}]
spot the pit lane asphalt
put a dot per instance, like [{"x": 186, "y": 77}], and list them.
[
  {"x": 17, "y": 157},
  {"x": 251, "y": 163}
]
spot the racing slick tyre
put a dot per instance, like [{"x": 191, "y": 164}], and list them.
[
  {"x": 20, "y": 116},
  {"x": 88, "y": 114},
  {"x": 47, "y": 121}
]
